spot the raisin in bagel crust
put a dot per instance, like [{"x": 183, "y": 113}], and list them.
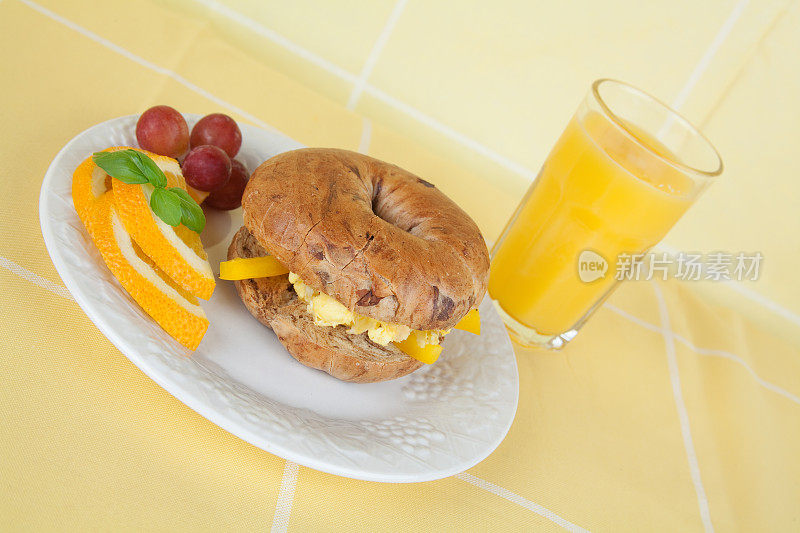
[{"x": 380, "y": 240}]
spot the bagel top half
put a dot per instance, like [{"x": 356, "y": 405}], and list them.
[{"x": 380, "y": 240}]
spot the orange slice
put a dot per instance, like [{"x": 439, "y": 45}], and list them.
[
  {"x": 174, "y": 309},
  {"x": 89, "y": 182},
  {"x": 197, "y": 195},
  {"x": 175, "y": 250}
]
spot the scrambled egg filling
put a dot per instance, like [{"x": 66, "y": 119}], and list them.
[{"x": 328, "y": 312}]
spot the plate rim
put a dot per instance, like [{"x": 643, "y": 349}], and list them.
[{"x": 184, "y": 395}]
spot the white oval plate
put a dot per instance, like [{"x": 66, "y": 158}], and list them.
[{"x": 434, "y": 423}]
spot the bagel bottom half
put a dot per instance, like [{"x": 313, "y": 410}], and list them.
[{"x": 344, "y": 356}]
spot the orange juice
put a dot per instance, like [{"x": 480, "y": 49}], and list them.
[{"x": 600, "y": 190}]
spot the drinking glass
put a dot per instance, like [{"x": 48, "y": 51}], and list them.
[{"x": 622, "y": 173}]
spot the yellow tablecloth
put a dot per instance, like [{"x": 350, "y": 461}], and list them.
[{"x": 678, "y": 406}]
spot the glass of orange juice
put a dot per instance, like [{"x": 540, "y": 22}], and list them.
[{"x": 622, "y": 173}]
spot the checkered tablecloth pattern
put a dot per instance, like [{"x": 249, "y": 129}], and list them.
[{"x": 676, "y": 408}]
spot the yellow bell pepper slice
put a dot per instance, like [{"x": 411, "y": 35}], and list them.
[
  {"x": 428, "y": 354},
  {"x": 251, "y": 267},
  {"x": 471, "y": 322}
]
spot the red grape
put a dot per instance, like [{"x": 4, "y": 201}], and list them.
[
  {"x": 217, "y": 130},
  {"x": 207, "y": 168},
  {"x": 163, "y": 130},
  {"x": 229, "y": 196}
]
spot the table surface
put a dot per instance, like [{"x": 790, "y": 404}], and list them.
[{"x": 677, "y": 407}]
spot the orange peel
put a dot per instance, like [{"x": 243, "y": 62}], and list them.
[{"x": 174, "y": 309}]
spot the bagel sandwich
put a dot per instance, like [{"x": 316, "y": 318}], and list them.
[{"x": 377, "y": 258}]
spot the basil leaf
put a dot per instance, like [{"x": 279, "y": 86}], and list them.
[
  {"x": 120, "y": 165},
  {"x": 149, "y": 168},
  {"x": 183, "y": 195},
  {"x": 193, "y": 218},
  {"x": 167, "y": 205},
  {"x": 192, "y": 214}
]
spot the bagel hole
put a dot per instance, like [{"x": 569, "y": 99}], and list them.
[
  {"x": 377, "y": 188},
  {"x": 391, "y": 214}
]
